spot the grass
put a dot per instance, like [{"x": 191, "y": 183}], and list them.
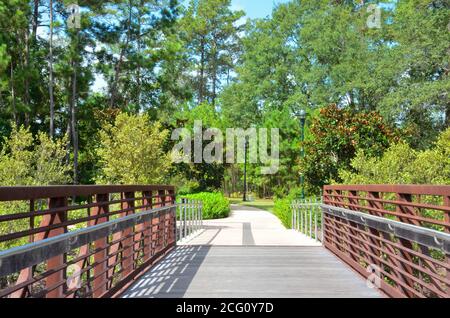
[{"x": 263, "y": 204}]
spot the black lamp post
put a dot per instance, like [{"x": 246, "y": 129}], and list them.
[
  {"x": 302, "y": 116},
  {"x": 245, "y": 169}
]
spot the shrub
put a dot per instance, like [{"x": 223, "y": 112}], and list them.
[
  {"x": 401, "y": 164},
  {"x": 131, "y": 151},
  {"x": 215, "y": 205},
  {"x": 27, "y": 160},
  {"x": 283, "y": 211},
  {"x": 282, "y": 207}
]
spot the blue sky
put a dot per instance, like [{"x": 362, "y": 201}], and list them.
[{"x": 256, "y": 8}]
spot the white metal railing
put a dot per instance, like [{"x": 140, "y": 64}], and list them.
[
  {"x": 189, "y": 218},
  {"x": 307, "y": 218}
]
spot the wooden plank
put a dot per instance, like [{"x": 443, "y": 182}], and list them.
[{"x": 250, "y": 272}]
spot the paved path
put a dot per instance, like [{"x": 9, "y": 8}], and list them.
[
  {"x": 249, "y": 255},
  {"x": 248, "y": 226}
]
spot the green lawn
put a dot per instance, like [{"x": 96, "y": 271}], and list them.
[{"x": 263, "y": 204}]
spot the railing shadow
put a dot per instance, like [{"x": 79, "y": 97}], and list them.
[{"x": 172, "y": 277}]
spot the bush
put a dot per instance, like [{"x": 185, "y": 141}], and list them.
[
  {"x": 283, "y": 211},
  {"x": 132, "y": 151},
  {"x": 215, "y": 205},
  {"x": 282, "y": 207},
  {"x": 401, "y": 164},
  {"x": 28, "y": 160}
]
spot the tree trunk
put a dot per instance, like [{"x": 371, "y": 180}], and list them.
[
  {"x": 50, "y": 71},
  {"x": 115, "y": 83},
  {"x": 35, "y": 21},
  {"x": 202, "y": 72},
  {"x": 139, "y": 48},
  {"x": 13, "y": 93},
  {"x": 74, "y": 122},
  {"x": 26, "y": 83},
  {"x": 214, "y": 79}
]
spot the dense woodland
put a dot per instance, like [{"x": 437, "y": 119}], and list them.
[{"x": 97, "y": 103}]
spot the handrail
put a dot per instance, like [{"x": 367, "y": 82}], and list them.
[
  {"x": 400, "y": 232},
  {"x": 33, "y": 214},
  {"x": 421, "y": 235},
  {"x": 421, "y": 205},
  {"x": 307, "y": 218},
  {"x": 21, "y": 257},
  {"x": 387, "y": 188},
  {"x": 189, "y": 218},
  {"x": 43, "y": 192}
]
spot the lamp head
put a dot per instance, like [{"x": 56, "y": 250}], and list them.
[{"x": 302, "y": 114}]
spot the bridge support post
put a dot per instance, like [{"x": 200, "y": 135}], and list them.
[
  {"x": 100, "y": 270},
  {"x": 148, "y": 203},
  {"x": 127, "y": 244},
  {"x": 58, "y": 261}
]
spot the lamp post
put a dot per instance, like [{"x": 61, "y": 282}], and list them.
[
  {"x": 245, "y": 169},
  {"x": 302, "y": 116}
]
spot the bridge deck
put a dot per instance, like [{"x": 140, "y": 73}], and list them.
[
  {"x": 250, "y": 272},
  {"x": 246, "y": 256}
]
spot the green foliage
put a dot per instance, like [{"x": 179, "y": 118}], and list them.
[
  {"x": 215, "y": 205},
  {"x": 211, "y": 31},
  {"x": 25, "y": 160},
  {"x": 130, "y": 151},
  {"x": 337, "y": 135},
  {"x": 401, "y": 164},
  {"x": 283, "y": 211},
  {"x": 208, "y": 177}
]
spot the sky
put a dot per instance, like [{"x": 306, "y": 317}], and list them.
[{"x": 256, "y": 8}]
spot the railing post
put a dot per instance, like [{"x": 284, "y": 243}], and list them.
[
  {"x": 194, "y": 213},
  {"x": 293, "y": 216},
  {"x": 173, "y": 219},
  {"x": 101, "y": 257},
  {"x": 183, "y": 209},
  {"x": 201, "y": 214},
  {"x": 447, "y": 230},
  {"x": 316, "y": 211},
  {"x": 190, "y": 216},
  {"x": 322, "y": 223},
  {"x": 310, "y": 218},
  {"x": 57, "y": 261},
  {"x": 161, "y": 220},
  {"x": 127, "y": 244},
  {"x": 198, "y": 215},
  {"x": 147, "y": 202}
]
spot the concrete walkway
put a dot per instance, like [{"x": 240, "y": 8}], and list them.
[
  {"x": 248, "y": 226},
  {"x": 250, "y": 255}
]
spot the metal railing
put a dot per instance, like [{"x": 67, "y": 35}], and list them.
[
  {"x": 398, "y": 235},
  {"x": 82, "y": 241},
  {"x": 189, "y": 218},
  {"x": 307, "y": 218}
]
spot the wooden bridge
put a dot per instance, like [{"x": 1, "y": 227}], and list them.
[{"x": 140, "y": 242}]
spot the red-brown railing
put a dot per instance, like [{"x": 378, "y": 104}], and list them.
[
  {"x": 100, "y": 268},
  {"x": 407, "y": 266}
]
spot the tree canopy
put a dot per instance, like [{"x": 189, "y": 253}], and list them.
[{"x": 99, "y": 88}]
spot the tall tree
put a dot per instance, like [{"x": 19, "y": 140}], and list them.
[
  {"x": 212, "y": 32},
  {"x": 51, "y": 83}
]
